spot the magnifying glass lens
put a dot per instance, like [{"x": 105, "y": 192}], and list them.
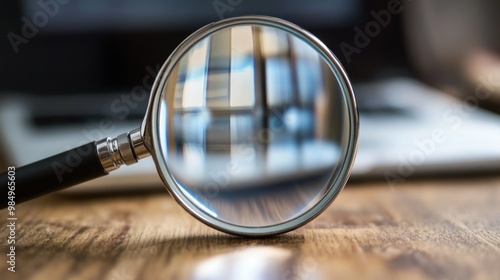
[{"x": 253, "y": 127}]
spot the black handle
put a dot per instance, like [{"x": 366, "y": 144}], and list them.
[{"x": 51, "y": 174}]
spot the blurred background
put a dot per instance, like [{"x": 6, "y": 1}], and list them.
[
  {"x": 104, "y": 46},
  {"x": 426, "y": 75}
]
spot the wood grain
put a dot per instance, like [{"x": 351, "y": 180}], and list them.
[{"x": 444, "y": 229}]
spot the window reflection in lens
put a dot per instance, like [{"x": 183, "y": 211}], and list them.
[{"x": 255, "y": 120}]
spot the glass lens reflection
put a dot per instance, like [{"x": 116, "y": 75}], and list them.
[{"x": 253, "y": 120}]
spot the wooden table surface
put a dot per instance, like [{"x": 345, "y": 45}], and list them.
[{"x": 436, "y": 229}]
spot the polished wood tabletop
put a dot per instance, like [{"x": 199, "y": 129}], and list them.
[{"x": 434, "y": 229}]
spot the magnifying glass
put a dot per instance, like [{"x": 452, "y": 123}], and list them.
[{"x": 252, "y": 124}]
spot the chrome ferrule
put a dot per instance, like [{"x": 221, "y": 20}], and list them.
[{"x": 126, "y": 149}]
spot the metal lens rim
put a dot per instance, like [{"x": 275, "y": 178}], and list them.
[{"x": 335, "y": 184}]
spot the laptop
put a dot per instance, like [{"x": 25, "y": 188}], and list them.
[
  {"x": 407, "y": 129},
  {"x": 62, "y": 83}
]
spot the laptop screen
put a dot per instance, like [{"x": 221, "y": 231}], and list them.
[{"x": 126, "y": 15}]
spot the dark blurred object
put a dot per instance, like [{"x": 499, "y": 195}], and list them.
[
  {"x": 104, "y": 46},
  {"x": 96, "y": 52},
  {"x": 455, "y": 46}
]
